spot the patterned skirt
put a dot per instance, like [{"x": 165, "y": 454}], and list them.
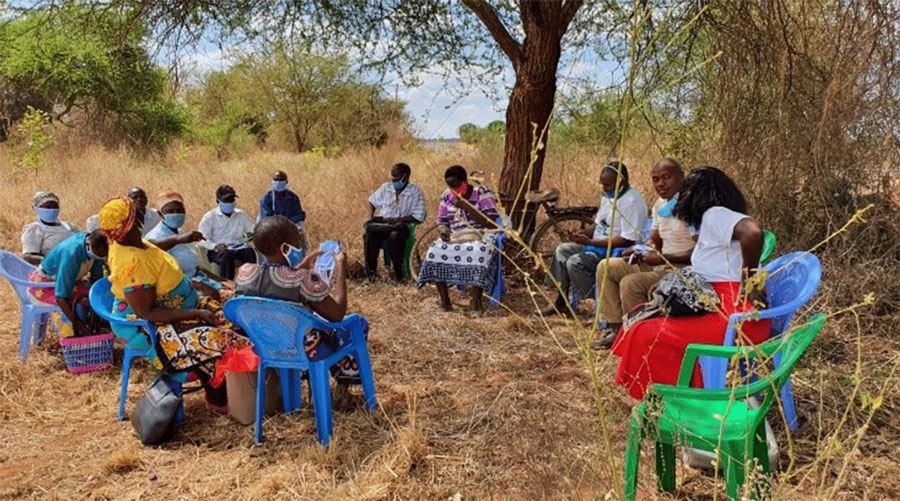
[{"x": 462, "y": 264}]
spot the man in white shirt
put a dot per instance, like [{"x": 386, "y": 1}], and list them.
[
  {"x": 392, "y": 207},
  {"x": 148, "y": 216},
  {"x": 626, "y": 281},
  {"x": 575, "y": 262},
  {"x": 225, "y": 230}
]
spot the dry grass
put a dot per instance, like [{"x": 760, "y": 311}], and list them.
[{"x": 487, "y": 408}]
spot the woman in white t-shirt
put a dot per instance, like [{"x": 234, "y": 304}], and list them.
[
  {"x": 40, "y": 236},
  {"x": 728, "y": 247}
]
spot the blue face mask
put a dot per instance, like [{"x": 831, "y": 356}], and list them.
[
  {"x": 610, "y": 194},
  {"x": 174, "y": 220},
  {"x": 227, "y": 208},
  {"x": 292, "y": 255},
  {"x": 47, "y": 215},
  {"x": 399, "y": 185},
  {"x": 279, "y": 185},
  {"x": 666, "y": 210}
]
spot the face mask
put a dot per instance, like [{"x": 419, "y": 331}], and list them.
[
  {"x": 90, "y": 251},
  {"x": 610, "y": 194},
  {"x": 399, "y": 185},
  {"x": 47, "y": 215},
  {"x": 226, "y": 208},
  {"x": 292, "y": 255},
  {"x": 463, "y": 189},
  {"x": 666, "y": 210},
  {"x": 279, "y": 185},
  {"x": 174, "y": 220}
]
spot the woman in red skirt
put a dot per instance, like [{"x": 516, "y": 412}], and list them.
[{"x": 727, "y": 251}]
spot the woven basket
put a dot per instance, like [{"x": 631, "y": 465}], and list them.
[{"x": 89, "y": 353}]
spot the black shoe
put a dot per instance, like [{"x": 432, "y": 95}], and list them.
[{"x": 605, "y": 343}]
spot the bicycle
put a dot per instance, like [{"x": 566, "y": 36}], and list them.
[{"x": 547, "y": 235}]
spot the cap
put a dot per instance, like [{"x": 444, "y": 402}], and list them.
[{"x": 225, "y": 190}]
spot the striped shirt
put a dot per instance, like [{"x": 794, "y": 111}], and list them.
[
  {"x": 458, "y": 219},
  {"x": 390, "y": 204}
]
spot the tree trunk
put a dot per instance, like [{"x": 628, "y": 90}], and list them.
[{"x": 298, "y": 140}]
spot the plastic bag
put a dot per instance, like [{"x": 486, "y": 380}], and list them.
[{"x": 242, "y": 360}]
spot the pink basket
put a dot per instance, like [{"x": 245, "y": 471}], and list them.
[{"x": 89, "y": 353}]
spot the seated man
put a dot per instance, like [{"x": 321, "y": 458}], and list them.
[
  {"x": 575, "y": 262},
  {"x": 392, "y": 207},
  {"x": 67, "y": 264},
  {"x": 226, "y": 230},
  {"x": 280, "y": 201},
  {"x": 41, "y": 236},
  {"x": 625, "y": 281},
  {"x": 148, "y": 217},
  {"x": 167, "y": 235}
]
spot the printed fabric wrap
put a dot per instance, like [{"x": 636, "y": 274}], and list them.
[
  {"x": 680, "y": 293},
  {"x": 462, "y": 264}
]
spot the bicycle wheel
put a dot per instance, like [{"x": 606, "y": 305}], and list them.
[
  {"x": 420, "y": 247},
  {"x": 554, "y": 231}
]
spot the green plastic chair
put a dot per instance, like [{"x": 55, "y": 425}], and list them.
[
  {"x": 410, "y": 243},
  {"x": 714, "y": 420},
  {"x": 769, "y": 242}
]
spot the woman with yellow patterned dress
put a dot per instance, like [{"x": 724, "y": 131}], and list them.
[{"x": 148, "y": 283}]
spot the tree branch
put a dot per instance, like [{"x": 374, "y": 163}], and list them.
[
  {"x": 569, "y": 9},
  {"x": 491, "y": 20}
]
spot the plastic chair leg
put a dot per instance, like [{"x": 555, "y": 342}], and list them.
[
  {"x": 287, "y": 389},
  {"x": 40, "y": 332},
  {"x": 787, "y": 401},
  {"x": 318, "y": 379},
  {"x": 365, "y": 376},
  {"x": 260, "y": 400},
  {"x": 632, "y": 459},
  {"x": 665, "y": 466},
  {"x": 126, "y": 371},
  {"x": 25, "y": 332},
  {"x": 734, "y": 469}
]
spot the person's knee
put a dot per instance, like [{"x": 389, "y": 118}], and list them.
[
  {"x": 395, "y": 237},
  {"x": 580, "y": 263}
]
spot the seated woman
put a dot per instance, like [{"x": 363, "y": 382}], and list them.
[
  {"x": 464, "y": 255},
  {"x": 148, "y": 283},
  {"x": 39, "y": 237},
  {"x": 727, "y": 252},
  {"x": 288, "y": 276},
  {"x": 68, "y": 264},
  {"x": 167, "y": 235}
]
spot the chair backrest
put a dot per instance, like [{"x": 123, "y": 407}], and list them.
[
  {"x": 791, "y": 346},
  {"x": 769, "y": 242},
  {"x": 793, "y": 280},
  {"x": 16, "y": 270},
  {"x": 102, "y": 298},
  {"x": 276, "y": 328}
]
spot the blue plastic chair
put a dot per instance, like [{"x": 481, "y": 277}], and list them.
[
  {"x": 277, "y": 330},
  {"x": 101, "y": 299},
  {"x": 793, "y": 280},
  {"x": 614, "y": 252},
  {"x": 16, "y": 271}
]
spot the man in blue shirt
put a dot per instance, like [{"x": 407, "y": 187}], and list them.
[
  {"x": 70, "y": 261},
  {"x": 280, "y": 201}
]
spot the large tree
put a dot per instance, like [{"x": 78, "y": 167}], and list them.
[{"x": 476, "y": 41}]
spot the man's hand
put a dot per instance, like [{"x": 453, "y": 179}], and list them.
[
  {"x": 444, "y": 232},
  {"x": 220, "y": 248},
  {"x": 651, "y": 259},
  {"x": 580, "y": 239},
  {"x": 393, "y": 220},
  {"x": 190, "y": 237}
]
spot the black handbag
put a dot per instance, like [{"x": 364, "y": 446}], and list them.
[{"x": 154, "y": 417}]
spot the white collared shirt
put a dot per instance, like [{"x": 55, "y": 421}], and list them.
[
  {"x": 217, "y": 228},
  {"x": 631, "y": 217},
  {"x": 388, "y": 204},
  {"x": 40, "y": 238}
]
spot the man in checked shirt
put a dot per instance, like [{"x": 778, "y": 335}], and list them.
[{"x": 392, "y": 207}]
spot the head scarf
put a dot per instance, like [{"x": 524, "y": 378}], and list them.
[
  {"x": 166, "y": 197},
  {"x": 42, "y": 197},
  {"x": 117, "y": 218}
]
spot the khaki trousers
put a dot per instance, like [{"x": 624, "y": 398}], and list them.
[{"x": 624, "y": 286}]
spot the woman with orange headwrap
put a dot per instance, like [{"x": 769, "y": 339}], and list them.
[{"x": 148, "y": 283}]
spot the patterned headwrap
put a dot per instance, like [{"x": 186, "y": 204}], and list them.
[
  {"x": 117, "y": 218},
  {"x": 166, "y": 197},
  {"x": 42, "y": 197}
]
